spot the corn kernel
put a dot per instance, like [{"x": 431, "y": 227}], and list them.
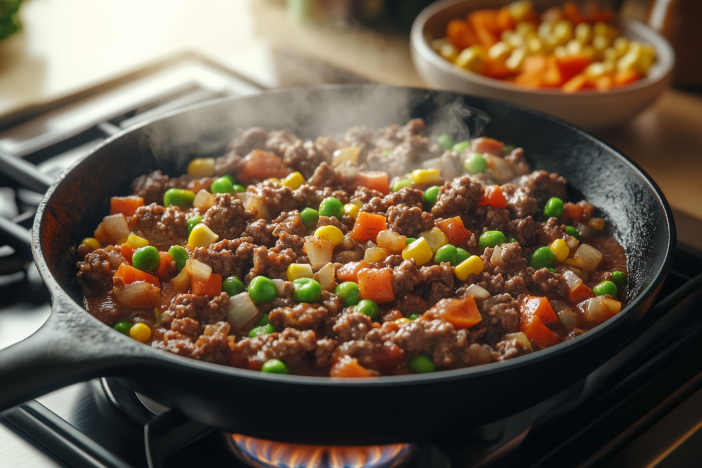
[
  {"x": 515, "y": 40},
  {"x": 560, "y": 249},
  {"x": 472, "y": 264},
  {"x": 140, "y": 332},
  {"x": 499, "y": 51},
  {"x": 136, "y": 241},
  {"x": 621, "y": 46},
  {"x": 435, "y": 238},
  {"x": 299, "y": 270},
  {"x": 583, "y": 33},
  {"x": 589, "y": 52},
  {"x": 332, "y": 233},
  {"x": 202, "y": 236},
  {"x": 351, "y": 210},
  {"x": 449, "y": 52},
  {"x": 472, "y": 59},
  {"x": 563, "y": 31},
  {"x": 525, "y": 27},
  {"x": 514, "y": 62},
  {"x": 419, "y": 250},
  {"x": 545, "y": 30},
  {"x": 293, "y": 180},
  {"x": 646, "y": 58},
  {"x": 610, "y": 54},
  {"x": 595, "y": 70},
  {"x": 518, "y": 10},
  {"x": 201, "y": 167},
  {"x": 402, "y": 320},
  {"x": 91, "y": 242},
  {"x": 122, "y": 240},
  {"x": 596, "y": 223},
  {"x": 350, "y": 153},
  {"x": 628, "y": 62},
  {"x": 535, "y": 46},
  {"x": 574, "y": 47},
  {"x": 426, "y": 176},
  {"x": 601, "y": 43}
]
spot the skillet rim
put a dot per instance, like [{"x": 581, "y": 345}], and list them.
[{"x": 147, "y": 353}]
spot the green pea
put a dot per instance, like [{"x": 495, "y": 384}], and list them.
[
  {"x": 348, "y": 293},
  {"x": 232, "y": 285},
  {"x": 475, "y": 164},
  {"x": 261, "y": 289},
  {"x": 553, "y": 208},
  {"x": 571, "y": 231},
  {"x": 491, "y": 239},
  {"x": 422, "y": 364},
  {"x": 413, "y": 316},
  {"x": 306, "y": 290},
  {"x": 400, "y": 184},
  {"x": 543, "y": 257},
  {"x": 262, "y": 330},
  {"x": 619, "y": 278},
  {"x": 445, "y": 141},
  {"x": 263, "y": 321},
  {"x": 179, "y": 255},
  {"x": 239, "y": 188},
  {"x": 461, "y": 255},
  {"x": 431, "y": 194},
  {"x": 192, "y": 222},
  {"x": 229, "y": 178},
  {"x": 222, "y": 185},
  {"x": 512, "y": 240},
  {"x": 179, "y": 197},
  {"x": 552, "y": 270},
  {"x": 309, "y": 216},
  {"x": 331, "y": 206},
  {"x": 507, "y": 149},
  {"x": 275, "y": 366},
  {"x": 447, "y": 254},
  {"x": 146, "y": 258},
  {"x": 123, "y": 327},
  {"x": 410, "y": 240},
  {"x": 368, "y": 307},
  {"x": 605, "y": 287},
  {"x": 460, "y": 147}
]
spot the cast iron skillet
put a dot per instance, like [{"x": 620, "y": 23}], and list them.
[{"x": 73, "y": 346}]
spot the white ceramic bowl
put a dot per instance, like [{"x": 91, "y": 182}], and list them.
[{"x": 589, "y": 109}]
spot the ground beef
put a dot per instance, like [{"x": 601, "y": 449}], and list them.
[
  {"x": 518, "y": 162},
  {"x": 551, "y": 230},
  {"x": 410, "y": 303},
  {"x": 457, "y": 197},
  {"x": 365, "y": 194},
  {"x": 302, "y": 316},
  {"x": 279, "y": 140},
  {"x": 209, "y": 348},
  {"x": 352, "y": 326},
  {"x": 290, "y": 346},
  {"x": 227, "y": 257},
  {"x": 98, "y": 267},
  {"x": 520, "y": 203},
  {"x": 227, "y": 164},
  {"x": 308, "y": 196},
  {"x": 405, "y": 277},
  {"x": 511, "y": 349},
  {"x": 199, "y": 308},
  {"x": 493, "y": 219},
  {"x": 406, "y": 196},
  {"x": 308, "y": 158},
  {"x": 526, "y": 231},
  {"x": 187, "y": 327},
  {"x": 275, "y": 198},
  {"x": 332, "y": 221},
  {"x": 245, "y": 141},
  {"x": 151, "y": 187},
  {"x": 227, "y": 217},
  {"x": 513, "y": 276},
  {"x": 500, "y": 316},
  {"x": 323, "y": 353},
  {"x": 285, "y": 298},
  {"x": 549, "y": 284},
  {"x": 261, "y": 233},
  {"x": 544, "y": 185},
  {"x": 289, "y": 222},
  {"x": 325, "y": 176},
  {"x": 294, "y": 243},
  {"x": 332, "y": 303},
  {"x": 437, "y": 282},
  {"x": 271, "y": 263},
  {"x": 161, "y": 226}
]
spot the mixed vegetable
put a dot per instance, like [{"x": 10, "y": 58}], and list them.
[{"x": 564, "y": 47}]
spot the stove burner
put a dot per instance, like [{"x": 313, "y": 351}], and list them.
[{"x": 261, "y": 453}]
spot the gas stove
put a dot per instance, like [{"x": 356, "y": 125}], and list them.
[{"x": 648, "y": 412}]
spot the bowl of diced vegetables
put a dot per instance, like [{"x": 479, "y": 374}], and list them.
[{"x": 578, "y": 62}]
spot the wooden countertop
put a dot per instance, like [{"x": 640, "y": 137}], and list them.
[{"x": 68, "y": 45}]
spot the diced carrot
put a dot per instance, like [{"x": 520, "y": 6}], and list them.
[
  {"x": 388, "y": 357},
  {"x": 493, "y": 196},
  {"x": 348, "y": 367},
  {"x": 125, "y": 205},
  {"x": 572, "y": 13},
  {"x": 376, "y": 285},
  {"x": 261, "y": 165},
  {"x": 349, "y": 271},
  {"x": 166, "y": 266},
  {"x": 455, "y": 231},
  {"x": 530, "y": 80},
  {"x": 461, "y": 34},
  {"x": 130, "y": 274},
  {"x": 127, "y": 252},
  {"x": 626, "y": 77},
  {"x": 604, "y": 82},
  {"x": 496, "y": 68},
  {"x": 487, "y": 145},
  {"x": 375, "y": 180},
  {"x": 581, "y": 211},
  {"x": 552, "y": 76},
  {"x": 367, "y": 226},
  {"x": 210, "y": 287},
  {"x": 534, "y": 64},
  {"x": 484, "y": 23},
  {"x": 539, "y": 306},
  {"x": 505, "y": 21},
  {"x": 461, "y": 313},
  {"x": 572, "y": 65},
  {"x": 575, "y": 84},
  {"x": 536, "y": 331},
  {"x": 580, "y": 293}
]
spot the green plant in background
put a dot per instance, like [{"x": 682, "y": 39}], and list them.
[{"x": 9, "y": 19}]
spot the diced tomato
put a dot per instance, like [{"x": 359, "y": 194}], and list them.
[
  {"x": 461, "y": 313},
  {"x": 484, "y": 23},
  {"x": 493, "y": 196},
  {"x": 347, "y": 367},
  {"x": 536, "y": 331},
  {"x": 349, "y": 271},
  {"x": 125, "y": 205},
  {"x": 261, "y": 165},
  {"x": 388, "y": 357},
  {"x": 367, "y": 226},
  {"x": 572, "y": 13},
  {"x": 461, "y": 34},
  {"x": 504, "y": 20},
  {"x": 552, "y": 76},
  {"x": 626, "y": 77},
  {"x": 455, "y": 231},
  {"x": 581, "y": 211},
  {"x": 130, "y": 274},
  {"x": 487, "y": 145},
  {"x": 604, "y": 82},
  {"x": 572, "y": 65},
  {"x": 540, "y": 307},
  {"x": 580, "y": 293},
  {"x": 375, "y": 180},
  {"x": 376, "y": 285},
  {"x": 127, "y": 252},
  {"x": 210, "y": 287},
  {"x": 497, "y": 68}
]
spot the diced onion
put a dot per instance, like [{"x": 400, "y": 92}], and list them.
[
  {"x": 326, "y": 276},
  {"x": 241, "y": 310},
  {"x": 279, "y": 286},
  {"x": 116, "y": 227},
  {"x": 319, "y": 250},
  {"x": 203, "y": 200},
  {"x": 571, "y": 242},
  {"x": 521, "y": 338},
  {"x": 496, "y": 258},
  {"x": 375, "y": 254},
  {"x": 350, "y": 154},
  {"x": 243, "y": 196},
  {"x": 257, "y": 205},
  {"x": 348, "y": 256},
  {"x": 477, "y": 292},
  {"x": 565, "y": 314},
  {"x": 182, "y": 281},
  {"x": 138, "y": 294},
  {"x": 599, "y": 309},
  {"x": 572, "y": 280},
  {"x": 499, "y": 168},
  {"x": 347, "y": 171},
  {"x": 586, "y": 231},
  {"x": 391, "y": 241},
  {"x": 587, "y": 257},
  {"x": 197, "y": 269},
  {"x": 430, "y": 163}
]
